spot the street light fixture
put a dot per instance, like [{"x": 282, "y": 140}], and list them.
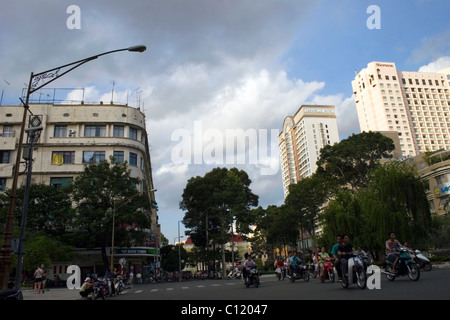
[{"x": 46, "y": 77}]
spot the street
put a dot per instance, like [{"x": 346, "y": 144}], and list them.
[{"x": 432, "y": 285}]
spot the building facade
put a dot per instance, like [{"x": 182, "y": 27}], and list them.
[
  {"x": 415, "y": 105},
  {"x": 303, "y": 135},
  {"x": 76, "y": 135}
]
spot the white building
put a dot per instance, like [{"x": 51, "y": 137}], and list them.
[
  {"x": 75, "y": 135},
  {"x": 413, "y": 104},
  {"x": 303, "y": 135}
]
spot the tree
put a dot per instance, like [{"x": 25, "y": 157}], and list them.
[
  {"x": 213, "y": 202},
  {"x": 395, "y": 200},
  {"x": 49, "y": 209},
  {"x": 349, "y": 162},
  {"x": 170, "y": 258},
  {"x": 305, "y": 200},
  {"x": 102, "y": 190}
]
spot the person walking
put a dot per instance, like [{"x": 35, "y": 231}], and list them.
[
  {"x": 44, "y": 278},
  {"x": 38, "y": 273}
]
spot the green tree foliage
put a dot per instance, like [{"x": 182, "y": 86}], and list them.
[
  {"x": 49, "y": 209},
  {"x": 97, "y": 193},
  {"x": 395, "y": 200},
  {"x": 349, "y": 162},
  {"x": 212, "y": 201},
  {"x": 170, "y": 258}
]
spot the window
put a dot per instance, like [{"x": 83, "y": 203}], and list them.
[
  {"x": 410, "y": 81},
  {"x": 417, "y": 81},
  {"x": 118, "y": 131},
  {"x": 8, "y": 131},
  {"x": 60, "y": 131},
  {"x": 63, "y": 157},
  {"x": 93, "y": 156},
  {"x": 3, "y": 184},
  {"x": 94, "y": 131},
  {"x": 133, "y": 133},
  {"x": 118, "y": 156},
  {"x": 387, "y": 77},
  {"x": 58, "y": 183},
  {"x": 403, "y": 81},
  {"x": 133, "y": 159},
  {"x": 4, "y": 156},
  {"x": 394, "y": 78}
]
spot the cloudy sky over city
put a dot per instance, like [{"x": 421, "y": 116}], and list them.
[{"x": 217, "y": 65}]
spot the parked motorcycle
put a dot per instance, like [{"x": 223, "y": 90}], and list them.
[
  {"x": 328, "y": 270},
  {"x": 406, "y": 266},
  {"x": 252, "y": 277},
  {"x": 234, "y": 274},
  {"x": 99, "y": 290},
  {"x": 299, "y": 271},
  {"x": 356, "y": 272},
  {"x": 423, "y": 262}
]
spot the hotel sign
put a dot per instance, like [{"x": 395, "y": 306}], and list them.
[
  {"x": 320, "y": 110},
  {"x": 384, "y": 65}
]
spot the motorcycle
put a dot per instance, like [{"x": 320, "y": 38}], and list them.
[
  {"x": 405, "y": 266},
  {"x": 234, "y": 274},
  {"x": 356, "y": 272},
  {"x": 120, "y": 285},
  {"x": 252, "y": 277},
  {"x": 99, "y": 290},
  {"x": 328, "y": 270},
  {"x": 423, "y": 262},
  {"x": 299, "y": 271}
]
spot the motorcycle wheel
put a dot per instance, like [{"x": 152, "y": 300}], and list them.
[
  {"x": 361, "y": 279},
  {"x": 256, "y": 282},
  {"x": 331, "y": 275},
  {"x": 292, "y": 279},
  {"x": 390, "y": 277},
  {"x": 413, "y": 272},
  {"x": 427, "y": 266},
  {"x": 247, "y": 282},
  {"x": 306, "y": 276},
  {"x": 344, "y": 282}
]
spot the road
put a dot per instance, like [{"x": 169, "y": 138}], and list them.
[{"x": 432, "y": 285}]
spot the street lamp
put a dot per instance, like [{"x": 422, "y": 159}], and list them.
[{"x": 45, "y": 77}]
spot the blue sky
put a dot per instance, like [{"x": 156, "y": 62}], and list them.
[{"x": 224, "y": 63}]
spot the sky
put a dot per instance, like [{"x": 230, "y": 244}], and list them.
[{"x": 213, "y": 66}]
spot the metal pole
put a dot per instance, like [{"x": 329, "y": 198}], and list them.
[
  {"x": 18, "y": 280},
  {"x": 5, "y": 259},
  {"x": 179, "y": 251},
  {"x": 112, "y": 237}
]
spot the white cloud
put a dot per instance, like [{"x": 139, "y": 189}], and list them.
[{"x": 436, "y": 65}]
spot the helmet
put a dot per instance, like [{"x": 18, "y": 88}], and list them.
[{"x": 279, "y": 257}]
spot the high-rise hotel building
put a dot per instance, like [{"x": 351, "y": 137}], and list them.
[
  {"x": 416, "y": 105},
  {"x": 303, "y": 135}
]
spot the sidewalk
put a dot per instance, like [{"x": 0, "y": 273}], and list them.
[{"x": 52, "y": 294}]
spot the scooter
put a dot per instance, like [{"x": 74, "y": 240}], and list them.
[
  {"x": 356, "y": 273},
  {"x": 299, "y": 271},
  {"x": 252, "y": 277},
  {"x": 423, "y": 262},
  {"x": 405, "y": 266},
  {"x": 234, "y": 274},
  {"x": 328, "y": 270}
]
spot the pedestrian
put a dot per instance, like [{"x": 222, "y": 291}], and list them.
[
  {"x": 38, "y": 279},
  {"x": 44, "y": 278}
]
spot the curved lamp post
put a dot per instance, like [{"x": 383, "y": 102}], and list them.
[{"x": 37, "y": 81}]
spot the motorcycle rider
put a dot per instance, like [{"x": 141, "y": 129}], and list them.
[
  {"x": 293, "y": 262},
  {"x": 322, "y": 255},
  {"x": 335, "y": 255},
  {"x": 391, "y": 250},
  {"x": 279, "y": 266},
  {"x": 248, "y": 264},
  {"x": 344, "y": 250}
]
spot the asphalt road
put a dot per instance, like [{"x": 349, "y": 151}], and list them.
[{"x": 432, "y": 285}]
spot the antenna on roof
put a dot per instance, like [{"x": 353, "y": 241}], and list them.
[{"x": 112, "y": 92}]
